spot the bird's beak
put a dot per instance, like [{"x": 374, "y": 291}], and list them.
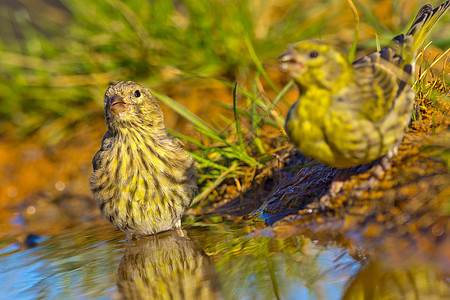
[
  {"x": 287, "y": 56},
  {"x": 117, "y": 104},
  {"x": 288, "y": 62}
]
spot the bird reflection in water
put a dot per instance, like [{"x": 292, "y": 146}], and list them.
[{"x": 168, "y": 265}]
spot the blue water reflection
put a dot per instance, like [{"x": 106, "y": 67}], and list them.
[{"x": 210, "y": 262}]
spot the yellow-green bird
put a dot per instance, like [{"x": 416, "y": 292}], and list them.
[
  {"x": 352, "y": 114},
  {"x": 143, "y": 180}
]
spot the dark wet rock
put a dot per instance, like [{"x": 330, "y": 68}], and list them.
[
  {"x": 309, "y": 184},
  {"x": 32, "y": 240}
]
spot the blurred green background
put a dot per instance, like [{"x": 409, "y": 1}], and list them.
[{"x": 58, "y": 56}]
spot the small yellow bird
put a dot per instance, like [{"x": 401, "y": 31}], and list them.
[
  {"x": 143, "y": 180},
  {"x": 352, "y": 114}
]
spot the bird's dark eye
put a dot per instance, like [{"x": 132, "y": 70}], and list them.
[
  {"x": 137, "y": 93},
  {"x": 313, "y": 54}
]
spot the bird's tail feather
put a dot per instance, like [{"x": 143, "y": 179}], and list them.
[{"x": 424, "y": 21}]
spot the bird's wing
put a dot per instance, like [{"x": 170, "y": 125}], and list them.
[
  {"x": 369, "y": 115},
  {"x": 105, "y": 145},
  {"x": 380, "y": 79}
]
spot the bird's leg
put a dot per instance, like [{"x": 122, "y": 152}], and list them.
[
  {"x": 376, "y": 170},
  {"x": 335, "y": 187},
  {"x": 338, "y": 181},
  {"x": 177, "y": 225},
  {"x": 180, "y": 232},
  {"x": 131, "y": 237}
]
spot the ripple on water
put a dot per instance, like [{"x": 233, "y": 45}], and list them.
[{"x": 211, "y": 261}]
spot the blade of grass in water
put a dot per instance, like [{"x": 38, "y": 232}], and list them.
[{"x": 273, "y": 277}]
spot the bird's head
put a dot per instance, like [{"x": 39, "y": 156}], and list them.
[
  {"x": 130, "y": 104},
  {"x": 313, "y": 63}
]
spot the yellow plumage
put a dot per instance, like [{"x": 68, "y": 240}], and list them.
[
  {"x": 352, "y": 114},
  {"x": 143, "y": 181}
]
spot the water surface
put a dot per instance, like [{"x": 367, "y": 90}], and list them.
[{"x": 204, "y": 261}]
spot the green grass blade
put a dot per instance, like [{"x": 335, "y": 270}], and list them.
[
  {"x": 184, "y": 112},
  {"x": 206, "y": 162},
  {"x": 246, "y": 113},
  {"x": 213, "y": 185},
  {"x": 377, "y": 40},
  {"x": 279, "y": 96},
  {"x": 236, "y": 119},
  {"x": 212, "y": 136},
  {"x": 260, "y": 68},
  {"x": 352, "y": 52},
  {"x": 220, "y": 80},
  {"x": 435, "y": 61},
  {"x": 237, "y": 151},
  {"x": 187, "y": 138}
]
